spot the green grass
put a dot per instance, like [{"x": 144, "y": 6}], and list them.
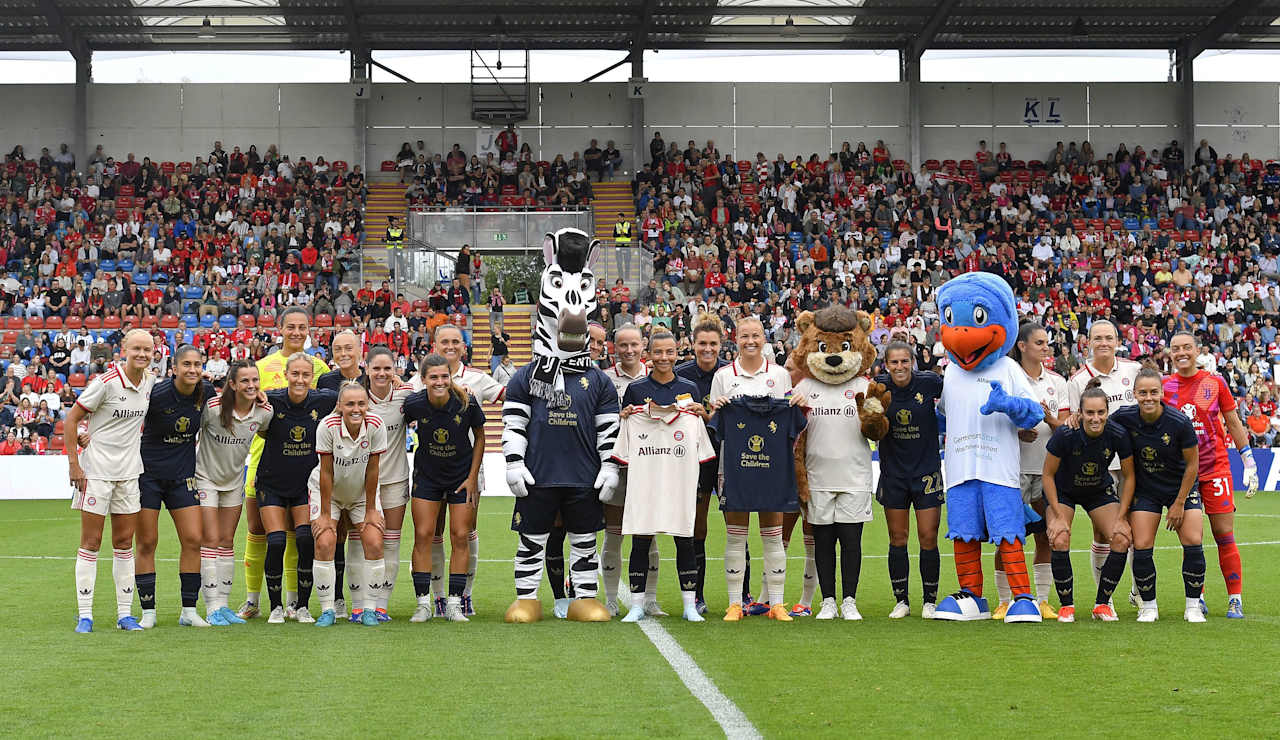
[{"x": 557, "y": 679}]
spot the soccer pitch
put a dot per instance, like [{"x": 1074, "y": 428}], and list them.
[{"x": 878, "y": 677}]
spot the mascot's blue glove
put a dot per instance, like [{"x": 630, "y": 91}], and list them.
[
  {"x": 1024, "y": 412},
  {"x": 1029, "y": 514}
]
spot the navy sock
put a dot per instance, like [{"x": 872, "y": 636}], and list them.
[
  {"x": 555, "y": 561},
  {"x": 899, "y": 571},
  {"x": 700, "y": 552},
  {"x": 1063, "y": 578},
  {"x": 930, "y": 566},
  {"x": 421, "y": 583},
  {"x": 686, "y": 564},
  {"x": 746, "y": 577},
  {"x": 339, "y": 568},
  {"x": 1109, "y": 579},
  {"x": 1144, "y": 573},
  {"x": 638, "y": 565},
  {"x": 457, "y": 584},
  {"x": 146, "y": 585},
  {"x": 1193, "y": 570},
  {"x": 273, "y": 567},
  {"x": 824, "y": 558},
  {"x": 190, "y": 586},
  {"x": 850, "y": 536},
  {"x": 306, "y": 557}
]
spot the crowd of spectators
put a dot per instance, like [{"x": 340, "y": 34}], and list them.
[{"x": 1153, "y": 240}]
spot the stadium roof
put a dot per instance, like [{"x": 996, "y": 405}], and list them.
[{"x": 89, "y": 25}]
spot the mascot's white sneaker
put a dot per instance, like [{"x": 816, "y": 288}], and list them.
[
  {"x": 1023, "y": 609},
  {"x": 903, "y": 609},
  {"x": 929, "y": 610},
  {"x": 963, "y": 606},
  {"x": 828, "y": 609},
  {"x": 562, "y": 608}
]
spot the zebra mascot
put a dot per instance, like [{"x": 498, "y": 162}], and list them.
[{"x": 560, "y": 420}]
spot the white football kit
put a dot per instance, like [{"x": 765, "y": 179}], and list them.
[
  {"x": 350, "y": 458},
  {"x": 393, "y": 466},
  {"x": 663, "y": 449},
  {"x": 221, "y": 453},
  {"x": 112, "y": 462},
  {"x": 837, "y": 456}
]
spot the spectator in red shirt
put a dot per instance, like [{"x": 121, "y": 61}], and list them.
[{"x": 713, "y": 283}]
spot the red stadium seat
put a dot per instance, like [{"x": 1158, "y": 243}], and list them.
[
  {"x": 247, "y": 321},
  {"x": 266, "y": 321},
  {"x": 111, "y": 322},
  {"x": 126, "y": 190},
  {"x": 344, "y": 320},
  {"x": 185, "y": 167},
  {"x": 36, "y": 323},
  {"x": 1116, "y": 224},
  {"x": 388, "y": 166},
  {"x": 744, "y": 166},
  {"x": 9, "y": 337},
  {"x": 55, "y": 444},
  {"x": 12, "y": 322},
  {"x": 60, "y": 424},
  {"x": 169, "y": 321},
  {"x": 150, "y": 322},
  {"x": 167, "y": 168},
  {"x": 53, "y": 322},
  {"x": 899, "y": 164},
  {"x": 323, "y": 320},
  {"x": 93, "y": 322},
  {"x": 77, "y": 380},
  {"x": 932, "y": 165},
  {"x": 340, "y": 165}
]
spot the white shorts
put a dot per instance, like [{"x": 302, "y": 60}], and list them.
[
  {"x": 354, "y": 509},
  {"x": 214, "y": 499},
  {"x": 1032, "y": 488},
  {"x": 104, "y": 497},
  {"x": 838, "y": 507},
  {"x": 393, "y": 495}
]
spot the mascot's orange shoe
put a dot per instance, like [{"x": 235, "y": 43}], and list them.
[
  {"x": 733, "y": 613},
  {"x": 779, "y": 612}
]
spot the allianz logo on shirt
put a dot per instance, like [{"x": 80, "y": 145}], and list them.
[{"x": 677, "y": 451}]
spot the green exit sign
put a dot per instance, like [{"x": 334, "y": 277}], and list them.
[{"x": 501, "y": 236}]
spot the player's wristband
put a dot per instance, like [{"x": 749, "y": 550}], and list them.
[{"x": 1246, "y": 457}]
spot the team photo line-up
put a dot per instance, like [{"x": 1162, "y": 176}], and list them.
[{"x": 316, "y": 461}]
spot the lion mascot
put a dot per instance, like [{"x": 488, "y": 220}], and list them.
[
  {"x": 986, "y": 399},
  {"x": 830, "y": 367},
  {"x": 560, "y": 421}
]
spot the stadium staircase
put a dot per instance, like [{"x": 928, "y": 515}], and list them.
[
  {"x": 608, "y": 200},
  {"x": 516, "y": 323},
  {"x": 385, "y": 199}
]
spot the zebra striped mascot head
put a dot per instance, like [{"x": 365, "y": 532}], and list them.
[{"x": 567, "y": 296}]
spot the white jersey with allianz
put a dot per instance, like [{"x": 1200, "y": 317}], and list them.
[
  {"x": 837, "y": 456},
  {"x": 621, "y": 380},
  {"x": 221, "y": 453},
  {"x": 350, "y": 456},
  {"x": 1117, "y": 384},
  {"x": 982, "y": 446},
  {"x": 1051, "y": 390},
  {"x": 733, "y": 380},
  {"x": 663, "y": 449},
  {"x": 393, "y": 467},
  {"x": 117, "y": 409}
]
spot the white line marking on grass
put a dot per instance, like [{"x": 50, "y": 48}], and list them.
[{"x": 726, "y": 714}]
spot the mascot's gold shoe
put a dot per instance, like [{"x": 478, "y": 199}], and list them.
[
  {"x": 588, "y": 610},
  {"x": 524, "y": 611}
]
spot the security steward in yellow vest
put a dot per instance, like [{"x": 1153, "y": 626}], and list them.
[
  {"x": 395, "y": 234},
  {"x": 622, "y": 231}
]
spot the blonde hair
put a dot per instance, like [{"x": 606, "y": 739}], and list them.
[{"x": 708, "y": 322}]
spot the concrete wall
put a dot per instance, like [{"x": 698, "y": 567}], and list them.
[{"x": 179, "y": 122}]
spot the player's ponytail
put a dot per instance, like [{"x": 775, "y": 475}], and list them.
[
  {"x": 228, "y": 407},
  {"x": 1093, "y": 389},
  {"x": 1149, "y": 371},
  {"x": 1025, "y": 332},
  {"x": 708, "y": 322}
]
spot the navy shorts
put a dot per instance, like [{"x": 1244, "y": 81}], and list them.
[
  {"x": 431, "y": 492},
  {"x": 1157, "y": 504},
  {"x": 708, "y": 477},
  {"x": 1088, "y": 500},
  {"x": 286, "y": 499},
  {"x": 579, "y": 509},
  {"x": 922, "y": 492},
  {"x": 173, "y": 494}
]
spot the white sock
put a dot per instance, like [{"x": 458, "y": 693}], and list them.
[
  {"x": 1002, "y": 587},
  {"x": 651, "y": 584},
  {"x": 473, "y": 559},
  {"x": 375, "y": 575},
  {"x": 391, "y": 561},
  {"x": 226, "y": 571},
  {"x": 775, "y": 563},
  {"x": 1194, "y": 603},
  {"x": 86, "y": 578},
  {"x": 810, "y": 573},
  {"x": 689, "y": 599},
  {"x": 354, "y": 572},
  {"x": 209, "y": 578},
  {"x": 1098, "y": 553},
  {"x": 735, "y": 561},
  {"x": 324, "y": 575},
  {"x": 1238, "y": 597},
  {"x": 1044, "y": 580},
  {"x": 611, "y": 562},
  {"x": 439, "y": 584},
  {"x": 122, "y": 574}
]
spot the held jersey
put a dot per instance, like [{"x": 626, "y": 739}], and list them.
[
  {"x": 1203, "y": 398},
  {"x": 733, "y": 380},
  {"x": 221, "y": 454},
  {"x": 1157, "y": 449},
  {"x": 663, "y": 448},
  {"x": 1051, "y": 390},
  {"x": 394, "y": 465},
  {"x": 757, "y": 436},
  {"x": 837, "y": 456},
  {"x": 289, "y": 451},
  {"x": 911, "y": 449},
  {"x": 580, "y": 428},
  {"x": 443, "y": 458},
  {"x": 116, "y": 409},
  {"x": 982, "y": 446},
  {"x": 1084, "y": 461},
  {"x": 169, "y": 432},
  {"x": 350, "y": 454}
]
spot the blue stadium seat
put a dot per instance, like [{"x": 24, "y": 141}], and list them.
[
  {"x": 886, "y": 235},
  {"x": 227, "y": 321},
  {"x": 125, "y": 265},
  {"x": 193, "y": 292},
  {"x": 191, "y": 319},
  {"x": 208, "y": 321},
  {"x": 107, "y": 265},
  {"x": 796, "y": 236},
  {"x": 1151, "y": 223},
  {"x": 168, "y": 335},
  {"x": 62, "y": 378},
  {"x": 141, "y": 279},
  {"x": 160, "y": 278},
  {"x": 1132, "y": 224}
]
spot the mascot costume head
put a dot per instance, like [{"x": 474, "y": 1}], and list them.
[
  {"x": 539, "y": 392},
  {"x": 986, "y": 400}
]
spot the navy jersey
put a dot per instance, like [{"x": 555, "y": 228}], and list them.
[
  {"x": 643, "y": 390},
  {"x": 169, "y": 430},
  {"x": 1157, "y": 449},
  {"x": 690, "y": 371},
  {"x": 910, "y": 450},
  {"x": 758, "y": 434},
  {"x": 1084, "y": 461},
  {"x": 570, "y": 437},
  {"x": 443, "y": 458},
  {"x": 332, "y": 380},
  {"x": 289, "y": 453}
]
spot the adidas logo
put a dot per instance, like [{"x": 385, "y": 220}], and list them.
[
  {"x": 730, "y": 571},
  {"x": 127, "y": 589},
  {"x": 274, "y": 589},
  {"x": 86, "y": 591},
  {"x": 211, "y": 585},
  {"x": 226, "y": 583},
  {"x": 322, "y": 588},
  {"x": 353, "y": 586},
  {"x": 689, "y": 585},
  {"x": 643, "y": 436}
]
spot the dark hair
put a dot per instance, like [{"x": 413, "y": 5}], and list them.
[
  {"x": 1184, "y": 333},
  {"x": 1093, "y": 389},
  {"x": 899, "y": 345},
  {"x": 186, "y": 349},
  {"x": 1148, "y": 371},
  {"x": 292, "y": 310},
  {"x": 1025, "y": 330},
  {"x": 661, "y": 333},
  {"x": 435, "y": 360},
  {"x": 228, "y": 406}
]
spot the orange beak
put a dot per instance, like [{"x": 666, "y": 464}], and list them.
[{"x": 970, "y": 345}]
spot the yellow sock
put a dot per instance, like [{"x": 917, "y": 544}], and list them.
[
  {"x": 291, "y": 563},
  {"x": 255, "y": 552}
]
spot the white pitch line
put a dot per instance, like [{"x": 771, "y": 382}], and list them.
[{"x": 726, "y": 714}]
